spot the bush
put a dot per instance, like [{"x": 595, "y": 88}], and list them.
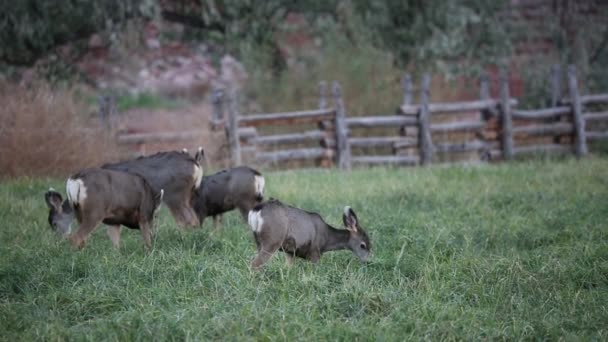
[{"x": 45, "y": 133}]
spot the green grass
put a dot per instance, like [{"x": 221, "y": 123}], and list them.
[{"x": 515, "y": 251}]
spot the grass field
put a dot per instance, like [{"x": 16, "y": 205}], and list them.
[{"x": 515, "y": 251}]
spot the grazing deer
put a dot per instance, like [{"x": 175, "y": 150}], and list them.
[
  {"x": 303, "y": 234},
  {"x": 239, "y": 188},
  {"x": 177, "y": 173},
  {"x": 99, "y": 195}
]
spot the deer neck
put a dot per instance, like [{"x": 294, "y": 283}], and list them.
[{"x": 336, "y": 239}]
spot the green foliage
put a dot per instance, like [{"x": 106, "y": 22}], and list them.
[
  {"x": 446, "y": 35},
  {"x": 30, "y": 28},
  {"x": 508, "y": 252}
]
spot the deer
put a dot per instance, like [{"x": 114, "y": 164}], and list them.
[
  {"x": 177, "y": 173},
  {"x": 99, "y": 195},
  {"x": 239, "y": 188},
  {"x": 299, "y": 233}
]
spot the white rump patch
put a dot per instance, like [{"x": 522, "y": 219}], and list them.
[
  {"x": 160, "y": 201},
  {"x": 198, "y": 176},
  {"x": 347, "y": 210},
  {"x": 255, "y": 220},
  {"x": 184, "y": 150},
  {"x": 76, "y": 191},
  {"x": 259, "y": 185}
]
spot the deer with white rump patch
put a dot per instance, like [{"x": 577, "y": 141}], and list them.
[
  {"x": 303, "y": 234},
  {"x": 99, "y": 195},
  {"x": 239, "y": 188}
]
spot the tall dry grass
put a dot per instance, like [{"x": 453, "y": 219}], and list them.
[{"x": 46, "y": 132}]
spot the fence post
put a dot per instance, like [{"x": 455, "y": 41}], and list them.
[
  {"x": 556, "y": 85},
  {"x": 217, "y": 99},
  {"x": 107, "y": 109},
  {"x": 342, "y": 146},
  {"x": 322, "y": 95},
  {"x": 406, "y": 83},
  {"x": 577, "y": 110},
  {"x": 556, "y": 89},
  {"x": 424, "y": 130},
  {"x": 486, "y": 114},
  {"x": 232, "y": 128},
  {"x": 506, "y": 119}
]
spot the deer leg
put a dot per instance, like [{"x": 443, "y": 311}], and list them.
[
  {"x": 146, "y": 233},
  {"x": 217, "y": 222},
  {"x": 85, "y": 228},
  {"x": 114, "y": 234},
  {"x": 314, "y": 257},
  {"x": 244, "y": 212},
  {"x": 264, "y": 254},
  {"x": 290, "y": 259},
  {"x": 190, "y": 216}
]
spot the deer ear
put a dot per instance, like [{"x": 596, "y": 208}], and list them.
[
  {"x": 350, "y": 219},
  {"x": 53, "y": 199},
  {"x": 200, "y": 156}
]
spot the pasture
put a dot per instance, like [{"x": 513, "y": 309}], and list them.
[{"x": 509, "y": 251}]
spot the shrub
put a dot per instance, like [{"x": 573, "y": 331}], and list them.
[{"x": 45, "y": 133}]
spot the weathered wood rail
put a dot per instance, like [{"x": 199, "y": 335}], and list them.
[{"x": 486, "y": 129}]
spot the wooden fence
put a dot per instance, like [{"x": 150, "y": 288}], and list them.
[{"x": 420, "y": 134}]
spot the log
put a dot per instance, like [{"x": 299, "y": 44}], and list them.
[
  {"x": 506, "y": 120},
  {"x": 217, "y": 100},
  {"x": 248, "y": 150},
  {"x": 322, "y": 95},
  {"x": 597, "y": 116},
  {"x": 311, "y": 136},
  {"x": 588, "y": 99},
  {"x": 424, "y": 130},
  {"x": 580, "y": 142},
  {"x": 385, "y": 160},
  {"x": 286, "y": 118},
  {"x": 406, "y": 83},
  {"x": 382, "y": 142},
  {"x": 327, "y": 125},
  {"x": 540, "y": 114},
  {"x": 140, "y": 138},
  {"x": 484, "y": 95},
  {"x": 405, "y": 143},
  {"x": 556, "y": 85},
  {"x": 591, "y": 135},
  {"x": 217, "y": 124},
  {"x": 247, "y": 133},
  {"x": 545, "y": 129},
  {"x": 455, "y": 107},
  {"x": 323, "y": 105},
  {"x": 232, "y": 129},
  {"x": 343, "y": 148},
  {"x": 456, "y": 126},
  {"x": 594, "y": 99},
  {"x": 294, "y": 154},
  {"x": 475, "y": 145},
  {"x": 381, "y": 121},
  {"x": 551, "y": 148}
]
